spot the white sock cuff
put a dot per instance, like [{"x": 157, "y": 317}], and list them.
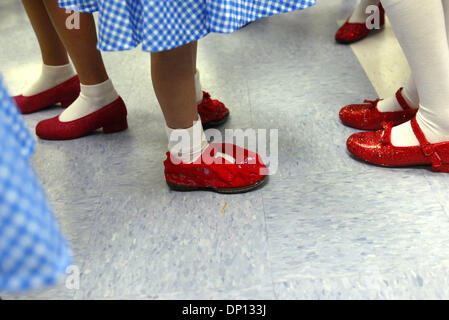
[
  {"x": 100, "y": 94},
  {"x": 193, "y": 142},
  {"x": 99, "y": 89}
]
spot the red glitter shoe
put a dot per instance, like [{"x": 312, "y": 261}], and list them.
[
  {"x": 212, "y": 112},
  {"x": 65, "y": 94},
  {"x": 222, "y": 168},
  {"x": 376, "y": 148},
  {"x": 368, "y": 117},
  {"x": 352, "y": 32},
  {"x": 112, "y": 118}
]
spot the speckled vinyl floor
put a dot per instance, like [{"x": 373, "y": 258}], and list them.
[{"x": 326, "y": 225}]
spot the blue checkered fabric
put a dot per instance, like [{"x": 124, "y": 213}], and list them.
[
  {"x": 166, "y": 24},
  {"x": 33, "y": 253}
]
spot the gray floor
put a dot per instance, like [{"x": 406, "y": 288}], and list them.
[{"x": 326, "y": 225}]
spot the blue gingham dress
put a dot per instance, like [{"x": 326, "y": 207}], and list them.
[
  {"x": 166, "y": 24},
  {"x": 33, "y": 253}
]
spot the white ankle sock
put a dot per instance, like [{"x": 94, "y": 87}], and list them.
[
  {"x": 198, "y": 88},
  {"x": 420, "y": 28},
  {"x": 409, "y": 93},
  {"x": 187, "y": 145},
  {"x": 359, "y": 15},
  {"x": 50, "y": 77},
  {"x": 91, "y": 99}
]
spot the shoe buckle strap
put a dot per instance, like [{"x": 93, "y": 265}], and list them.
[
  {"x": 427, "y": 148},
  {"x": 430, "y": 152},
  {"x": 404, "y": 105}
]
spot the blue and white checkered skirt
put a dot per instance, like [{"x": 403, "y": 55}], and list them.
[
  {"x": 166, "y": 24},
  {"x": 33, "y": 253}
]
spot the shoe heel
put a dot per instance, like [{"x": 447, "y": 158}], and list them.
[{"x": 116, "y": 126}]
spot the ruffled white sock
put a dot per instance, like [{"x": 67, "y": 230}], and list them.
[
  {"x": 187, "y": 145},
  {"x": 50, "y": 77},
  {"x": 91, "y": 99}
]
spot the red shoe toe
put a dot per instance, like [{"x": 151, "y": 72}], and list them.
[
  {"x": 212, "y": 112},
  {"x": 65, "y": 94},
  {"x": 223, "y": 168},
  {"x": 112, "y": 118}
]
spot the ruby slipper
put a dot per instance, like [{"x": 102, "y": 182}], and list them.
[
  {"x": 212, "y": 112},
  {"x": 376, "y": 148},
  {"x": 352, "y": 32},
  {"x": 368, "y": 117},
  {"x": 65, "y": 94},
  {"x": 112, "y": 118},
  {"x": 222, "y": 168}
]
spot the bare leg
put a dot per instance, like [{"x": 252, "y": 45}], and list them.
[
  {"x": 81, "y": 44},
  {"x": 52, "y": 49},
  {"x": 173, "y": 80},
  {"x": 195, "y": 54}
]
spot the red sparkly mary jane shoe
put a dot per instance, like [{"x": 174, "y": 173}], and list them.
[
  {"x": 212, "y": 112},
  {"x": 352, "y": 32},
  {"x": 222, "y": 168},
  {"x": 376, "y": 148},
  {"x": 112, "y": 118},
  {"x": 368, "y": 117},
  {"x": 65, "y": 94}
]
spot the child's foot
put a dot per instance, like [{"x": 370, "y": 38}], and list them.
[
  {"x": 404, "y": 145},
  {"x": 56, "y": 84},
  {"x": 65, "y": 94},
  {"x": 372, "y": 114},
  {"x": 355, "y": 28},
  {"x": 98, "y": 106},
  {"x": 222, "y": 168}
]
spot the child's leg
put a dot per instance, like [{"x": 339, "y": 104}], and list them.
[
  {"x": 173, "y": 81},
  {"x": 420, "y": 28},
  {"x": 198, "y": 87},
  {"x": 56, "y": 67},
  {"x": 81, "y": 44},
  {"x": 97, "y": 90},
  {"x": 410, "y": 91},
  {"x": 52, "y": 49},
  {"x": 212, "y": 112}
]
